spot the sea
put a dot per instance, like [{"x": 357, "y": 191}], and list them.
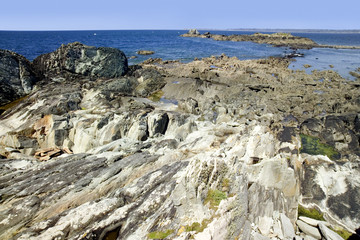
[{"x": 168, "y": 45}]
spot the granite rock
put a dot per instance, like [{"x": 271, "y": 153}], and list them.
[
  {"x": 17, "y": 77},
  {"x": 76, "y": 60}
]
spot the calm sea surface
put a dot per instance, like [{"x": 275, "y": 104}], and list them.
[{"x": 168, "y": 45}]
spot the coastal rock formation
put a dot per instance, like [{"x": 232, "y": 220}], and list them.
[
  {"x": 275, "y": 39},
  {"x": 211, "y": 149},
  {"x": 145, "y": 52},
  {"x": 16, "y": 76},
  {"x": 76, "y": 59},
  {"x": 193, "y": 32}
]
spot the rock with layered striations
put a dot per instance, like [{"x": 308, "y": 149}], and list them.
[
  {"x": 16, "y": 76},
  {"x": 224, "y": 164},
  {"x": 78, "y": 60}
]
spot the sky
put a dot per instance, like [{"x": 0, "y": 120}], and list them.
[{"x": 178, "y": 14}]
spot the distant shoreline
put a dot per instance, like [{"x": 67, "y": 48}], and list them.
[{"x": 353, "y": 31}]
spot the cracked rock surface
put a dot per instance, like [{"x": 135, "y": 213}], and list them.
[{"x": 182, "y": 151}]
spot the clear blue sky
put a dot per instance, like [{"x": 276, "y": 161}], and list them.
[{"x": 180, "y": 14}]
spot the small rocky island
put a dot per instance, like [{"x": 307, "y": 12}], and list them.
[
  {"x": 218, "y": 148},
  {"x": 275, "y": 39}
]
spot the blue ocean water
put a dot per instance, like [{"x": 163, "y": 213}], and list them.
[{"x": 168, "y": 45}]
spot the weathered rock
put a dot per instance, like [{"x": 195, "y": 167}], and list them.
[
  {"x": 16, "y": 76},
  {"x": 308, "y": 230},
  {"x": 145, "y": 52},
  {"x": 78, "y": 60},
  {"x": 328, "y": 234},
  {"x": 189, "y": 105},
  {"x": 334, "y": 189},
  {"x": 158, "y": 123},
  {"x": 193, "y": 32},
  {"x": 313, "y": 222},
  {"x": 287, "y": 227},
  {"x": 224, "y": 165},
  {"x": 276, "y": 39},
  {"x": 149, "y": 81},
  {"x": 258, "y": 236}
]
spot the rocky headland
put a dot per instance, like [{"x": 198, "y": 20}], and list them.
[
  {"x": 217, "y": 148},
  {"x": 275, "y": 39}
]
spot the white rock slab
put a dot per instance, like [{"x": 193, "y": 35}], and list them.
[
  {"x": 313, "y": 222},
  {"x": 328, "y": 234},
  {"x": 287, "y": 227},
  {"x": 308, "y": 230}
]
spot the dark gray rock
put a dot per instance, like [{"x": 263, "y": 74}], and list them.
[
  {"x": 310, "y": 189},
  {"x": 287, "y": 134},
  {"x": 149, "y": 80},
  {"x": 311, "y": 126},
  {"x": 16, "y": 76},
  {"x": 78, "y": 60},
  {"x": 340, "y": 132},
  {"x": 158, "y": 123},
  {"x": 346, "y": 204}
]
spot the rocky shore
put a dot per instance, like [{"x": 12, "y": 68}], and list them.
[
  {"x": 217, "y": 148},
  {"x": 275, "y": 39}
]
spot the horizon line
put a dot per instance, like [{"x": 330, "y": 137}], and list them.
[{"x": 184, "y": 29}]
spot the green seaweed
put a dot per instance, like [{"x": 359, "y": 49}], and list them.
[
  {"x": 11, "y": 104},
  {"x": 313, "y": 146},
  {"x": 310, "y": 213},
  {"x": 226, "y": 183},
  {"x": 214, "y": 197},
  {"x": 156, "y": 96},
  {"x": 159, "y": 234},
  {"x": 197, "y": 227},
  {"x": 342, "y": 232}
]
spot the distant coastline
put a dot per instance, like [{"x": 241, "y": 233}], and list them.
[
  {"x": 354, "y": 31},
  {"x": 273, "y": 30}
]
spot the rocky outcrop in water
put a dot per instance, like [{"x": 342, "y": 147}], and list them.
[
  {"x": 212, "y": 149},
  {"x": 75, "y": 60},
  {"x": 275, "y": 39},
  {"x": 145, "y": 52},
  {"x": 16, "y": 76}
]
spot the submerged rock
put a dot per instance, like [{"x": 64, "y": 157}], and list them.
[{"x": 145, "y": 52}]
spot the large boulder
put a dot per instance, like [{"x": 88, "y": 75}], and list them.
[
  {"x": 76, "y": 60},
  {"x": 16, "y": 76}
]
